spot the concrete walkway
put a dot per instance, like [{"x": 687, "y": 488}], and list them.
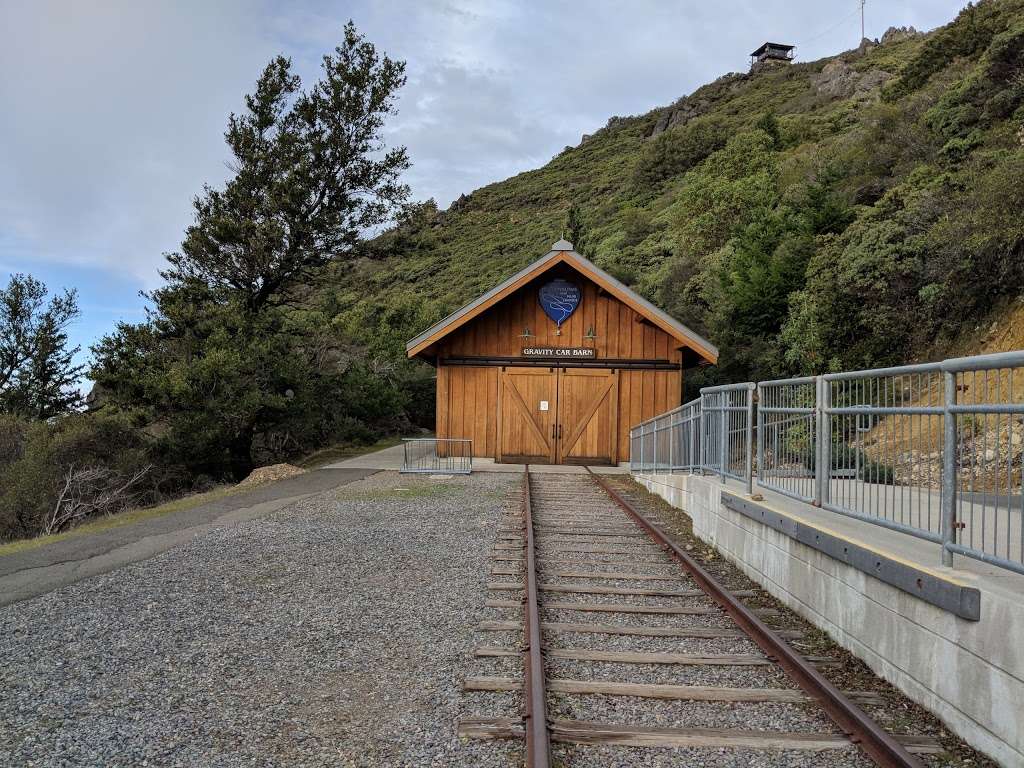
[
  {"x": 922, "y": 554},
  {"x": 42, "y": 569},
  {"x": 391, "y": 458}
]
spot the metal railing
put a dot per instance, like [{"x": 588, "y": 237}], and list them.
[
  {"x": 728, "y": 428},
  {"x": 786, "y": 436},
  {"x": 932, "y": 450},
  {"x": 689, "y": 438},
  {"x": 670, "y": 442},
  {"x": 447, "y": 456},
  {"x": 879, "y": 429}
]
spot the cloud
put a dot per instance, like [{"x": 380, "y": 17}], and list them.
[{"x": 113, "y": 112}]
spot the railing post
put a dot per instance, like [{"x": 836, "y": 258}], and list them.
[
  {"x": 671, "y": 446},
  {"x": 723, "y": 436},
  {"x": 819, "y": 444},
  {"x": 750, "y": 440},
  {"x": 701, "y": 435},
  {"x": 949, "y": 478},
  {"x": 694, "y": 442},
  {"x": 825, "y": 439},
  {"x": 856, "y": 448},
  {"x": 655, "y": 465},
  {"x": 760, "y": 435}
]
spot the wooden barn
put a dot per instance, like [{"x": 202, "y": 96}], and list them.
[{"x": 556, "y": 364}]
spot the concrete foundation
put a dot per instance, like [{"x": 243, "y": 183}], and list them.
[{"x": 969, "y": 673}]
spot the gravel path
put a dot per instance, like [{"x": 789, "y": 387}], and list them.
[{"x": 334, "y": 632}]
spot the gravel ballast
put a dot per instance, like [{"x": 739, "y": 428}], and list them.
[{"x": 335, "y": 631}]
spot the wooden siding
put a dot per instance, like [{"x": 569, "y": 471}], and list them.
[
  {"x": 621, "y": 332},
  {"x": 559, "y": 261}
]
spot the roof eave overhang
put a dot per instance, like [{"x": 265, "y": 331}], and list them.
[
  {"x": 686, "y": 337},
  {"x": 464, "y": 314}
]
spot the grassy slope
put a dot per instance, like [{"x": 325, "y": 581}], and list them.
[
  {"x": 313, "y": 461},
  {"x": 99, "y": 524},
  {"x": 662, "y": 236}
]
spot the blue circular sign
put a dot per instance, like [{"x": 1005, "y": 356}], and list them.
[{"x": 559, "y": 300}]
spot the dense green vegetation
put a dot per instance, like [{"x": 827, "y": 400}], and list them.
[
  {"x": 233, "y": 367},
  {"x": 802, "y": 221},
  {"x": 850, "y": 212}
]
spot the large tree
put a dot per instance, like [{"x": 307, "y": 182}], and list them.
[
  {"x": 38, "y": 378},
  {"x": 311, "y": 174},
  {"x": 228, "y": 361}
]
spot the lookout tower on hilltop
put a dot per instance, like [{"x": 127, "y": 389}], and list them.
[{"x": 771, "y": 53}]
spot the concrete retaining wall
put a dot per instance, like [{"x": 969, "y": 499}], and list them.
[{"x": 970, "y": 674}]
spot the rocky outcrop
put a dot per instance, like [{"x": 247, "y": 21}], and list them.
[
  {"x": 989, "y": 459},
  {"x": 461, "y": 203},
  {"x": 897, "y": 34},
  {"x": 840, "y": 80},
  {"x": 768, "y": 65},
  {"x": 97, "y": 397},
  {"x": 613, "y": 122},
  {"x": 688, "y": 107},
  {"x": 866, "y": 44},
  {"x": 680, "y": 113},
  {"x": 872, "y": 80}
]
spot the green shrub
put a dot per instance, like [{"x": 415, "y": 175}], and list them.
[
  {"x": 31, "y": 484},
  {"x": 677, "y": 150},
  {"x": 972, "y": 31},
  {"x": 636, "y": 225},
  {"x": 13, "y": 434}
]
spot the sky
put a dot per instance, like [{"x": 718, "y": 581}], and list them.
[{"x": 112, "y": 112}]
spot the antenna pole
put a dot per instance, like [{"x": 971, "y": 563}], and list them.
[{"x": 862, "y": 18}]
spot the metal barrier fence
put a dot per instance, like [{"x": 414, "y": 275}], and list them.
[
  {"x": 670, "y": 442},
  {"x": 690, "y": 437},
  {"x": 932, "y": 450},
  {"x": 449, "y": 456},
  {"x": 786, "y": 436},
  {"x": 728, "y": 428}
]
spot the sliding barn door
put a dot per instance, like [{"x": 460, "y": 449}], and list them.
[
  {"x": 588, "y": 416},
  {"x": 527, "y": 407}
]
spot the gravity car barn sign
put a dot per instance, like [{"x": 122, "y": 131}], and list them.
[{"x": 560, "y": 352}]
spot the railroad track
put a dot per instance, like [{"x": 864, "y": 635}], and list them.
[{"x": 622, "y": 631}]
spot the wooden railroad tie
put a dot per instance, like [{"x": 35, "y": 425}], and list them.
[
  {"x": 645, "y": 657},
  {"x": 662, "y": 610},
  {"x": 578, "y": 732},
  {"x": 586, "y": 589},
  {"x": 624, "y": 533},
  {"x": 609, "y": 549},
  {"x": 615, "y": 576},
  {"x": 665, "y": 692},
  {"x": 625, "y": 629},
  {"x": 634, "y": 560}
]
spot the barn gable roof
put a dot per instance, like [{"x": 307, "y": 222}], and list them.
[{"x": 562, "y": 253}]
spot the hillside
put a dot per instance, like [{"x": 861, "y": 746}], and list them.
[{"x": 858, "y": 210}]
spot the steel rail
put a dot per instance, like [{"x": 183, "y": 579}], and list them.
[
  {"x": 538, "y": 745},
  {"x": 885, "y": 750}
]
